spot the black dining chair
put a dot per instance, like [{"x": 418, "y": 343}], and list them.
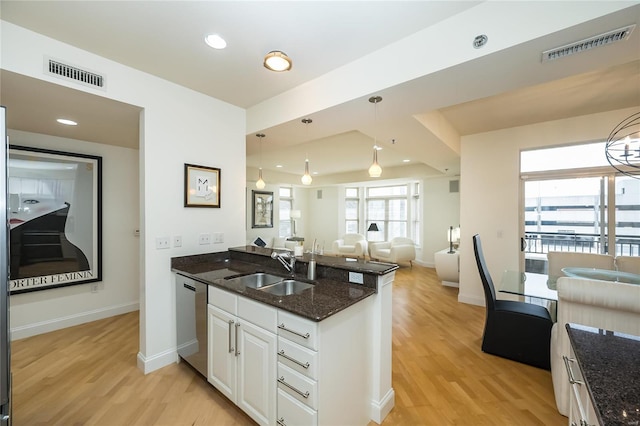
[{"x": 515, "y": 330}]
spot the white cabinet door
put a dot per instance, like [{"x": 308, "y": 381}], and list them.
[
  {"x": 257, "y": 373},
  {"x": 222, "y": 351}
]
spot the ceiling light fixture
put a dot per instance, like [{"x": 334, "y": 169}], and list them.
[
  {"x": 623, "y": 146},
  {"x": 215, "y": 41},
  {"x": 306, "y": 178},
  {"x": 260, "y": 184},
  {"x": 375, "y": 170},
  {"x": 277, "y": 61},
  {"x": 66, "y": 122}
]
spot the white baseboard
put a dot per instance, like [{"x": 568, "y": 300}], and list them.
[
  {"x": 474, "y": 300},
  {"x": 157, "y": 361},
  {"x": 71, "y": 320},
  {"x": 380, "y": 409}
]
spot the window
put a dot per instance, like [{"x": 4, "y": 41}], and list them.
[
  {"x": 387, "y": 207},
  {"x": 284, "y": 213},
  {"x": 579, "y": 203},
  {"x": 352, "y": 211}
]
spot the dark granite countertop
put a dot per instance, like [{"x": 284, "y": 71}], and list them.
[
  {"x": 610, "y": 365},
  {"x": 348, "y": 264},
  {"x": 331, "y": 292}
]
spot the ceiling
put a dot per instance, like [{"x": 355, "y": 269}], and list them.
[{"x": 418, "y": 120}]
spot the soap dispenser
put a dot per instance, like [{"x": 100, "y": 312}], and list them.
[{"x": 311, "y": 268}]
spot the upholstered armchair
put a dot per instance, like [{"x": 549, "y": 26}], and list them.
[
  {"x": 397, "y": 250},
  {"x": 562, "y": 259},
  {"x": 350, "y": 245}
]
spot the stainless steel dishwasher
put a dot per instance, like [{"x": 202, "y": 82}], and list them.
[{"x": 191, "y": 322}]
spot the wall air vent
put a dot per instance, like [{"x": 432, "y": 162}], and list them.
[
  {"x": 72, "y": 73},
  {"x": 609, "y": 37}
]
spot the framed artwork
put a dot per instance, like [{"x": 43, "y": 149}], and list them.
[
  {"x": 55, "y": 219},
  {"x": 201, "y": 186},
  {"x": 262, "y": 209}
]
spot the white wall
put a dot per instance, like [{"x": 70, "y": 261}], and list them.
[
  {"x": 177, "y": 126},
  {"x": 441, "y": 209},
  {"x": 52, "y": 309},
  {"x": 489, "y": 189}
]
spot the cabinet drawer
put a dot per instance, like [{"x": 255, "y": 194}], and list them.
[
  {"x": 298, "y": 329},
  {"x": 293, "y": 413},
  {"x": 299, "y": 358},
  {"x": 258, "y": 313},
  {"x": 223, "y": 300},
  {"x": 298, "y": 386}
]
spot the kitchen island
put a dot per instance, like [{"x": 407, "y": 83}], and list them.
[
  {"x": 608, "y": 363},
  {"x": 342, "y": 324}
]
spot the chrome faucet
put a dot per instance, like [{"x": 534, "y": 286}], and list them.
[{"x": 289, "y": 266}]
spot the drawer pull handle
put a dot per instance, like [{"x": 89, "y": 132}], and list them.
[
  {"x": 237, "y": 346},
  {"x": 304, "y": 336},
  {"x": 231, "y": 348},
  {"x": 281, "y": 422},
  {"x": 293, "y": 388},
  {"x": 283, "y": 355},
  {"x": 572, "y": 379}
]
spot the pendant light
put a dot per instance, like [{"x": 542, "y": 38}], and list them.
[
  {"x": 260, "y": 184},
  {"x": 375, "y": 170},
  {"x": 306, "y": 178}
]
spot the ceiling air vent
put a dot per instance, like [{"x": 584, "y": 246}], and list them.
[
  {"x": 69, "y": 72},
  {"x": 589, "y": 43}
]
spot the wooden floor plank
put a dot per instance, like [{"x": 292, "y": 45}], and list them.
[{"x": 87, "y": 375}]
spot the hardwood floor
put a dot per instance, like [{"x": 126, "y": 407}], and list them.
[{"x": 87, "y": 375}]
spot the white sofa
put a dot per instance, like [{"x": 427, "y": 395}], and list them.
[
  {"x": 354, "y": 245},
  {"x": 602, "y": 304},
  {"x": 397, "y": 250}
]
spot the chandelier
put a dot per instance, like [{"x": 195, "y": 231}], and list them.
[{"x": 623, "y": 146}]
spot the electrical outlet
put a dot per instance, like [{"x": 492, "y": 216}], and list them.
[
  {"x": 356, "y": 278},
  {"x": 162, "y": 243},
  {"x": 94, "y": 288},
  {"x": 204, "y": 239},
  {"x": 177, "y": 241},
  {"x": 218, "y": 237}
]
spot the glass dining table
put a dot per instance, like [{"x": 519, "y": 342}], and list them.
[
  {"x": 528, "y": 284},
  {"x": 603, "y": 275}
]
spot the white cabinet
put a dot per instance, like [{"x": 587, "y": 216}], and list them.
[
  {"x": 322, "y": 369},
  {"x": 448, "y": 267},
  {"x": 242, "y": 353},
  {"x": 581, "y": 409}
]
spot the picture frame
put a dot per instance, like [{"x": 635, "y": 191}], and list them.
[
  {"x": 261, "y": 209},
  {"x": 201, "y": 186},
  {"x": 55, "y": 218}
]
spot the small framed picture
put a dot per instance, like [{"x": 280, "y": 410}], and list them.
[
  {"x": 262, "y": 209},
  {"x": 201, "y": 186}
]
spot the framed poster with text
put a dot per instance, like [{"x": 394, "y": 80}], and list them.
[{"x": 55, "y": 219}]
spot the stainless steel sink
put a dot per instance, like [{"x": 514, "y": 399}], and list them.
[
  {"x": 287, "y": 288},
  {"x": 257, "y": 280}
]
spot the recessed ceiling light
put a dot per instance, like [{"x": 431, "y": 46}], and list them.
[
  {"x": 279, "y": 166},
  {"x": 215, "y": 41},
  {"x": 314, "y": 173},
  {"x": 66, "y": 122},
  {"x": 277, "y": 61},
  {"x": 406, "y": 160}
]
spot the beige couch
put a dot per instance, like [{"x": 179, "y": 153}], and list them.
[{"x": 602, "y": 304}]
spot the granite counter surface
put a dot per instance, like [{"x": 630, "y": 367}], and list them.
[
  {"x": 610, "y": 365},
  {"x": 329, "y": 295}
]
